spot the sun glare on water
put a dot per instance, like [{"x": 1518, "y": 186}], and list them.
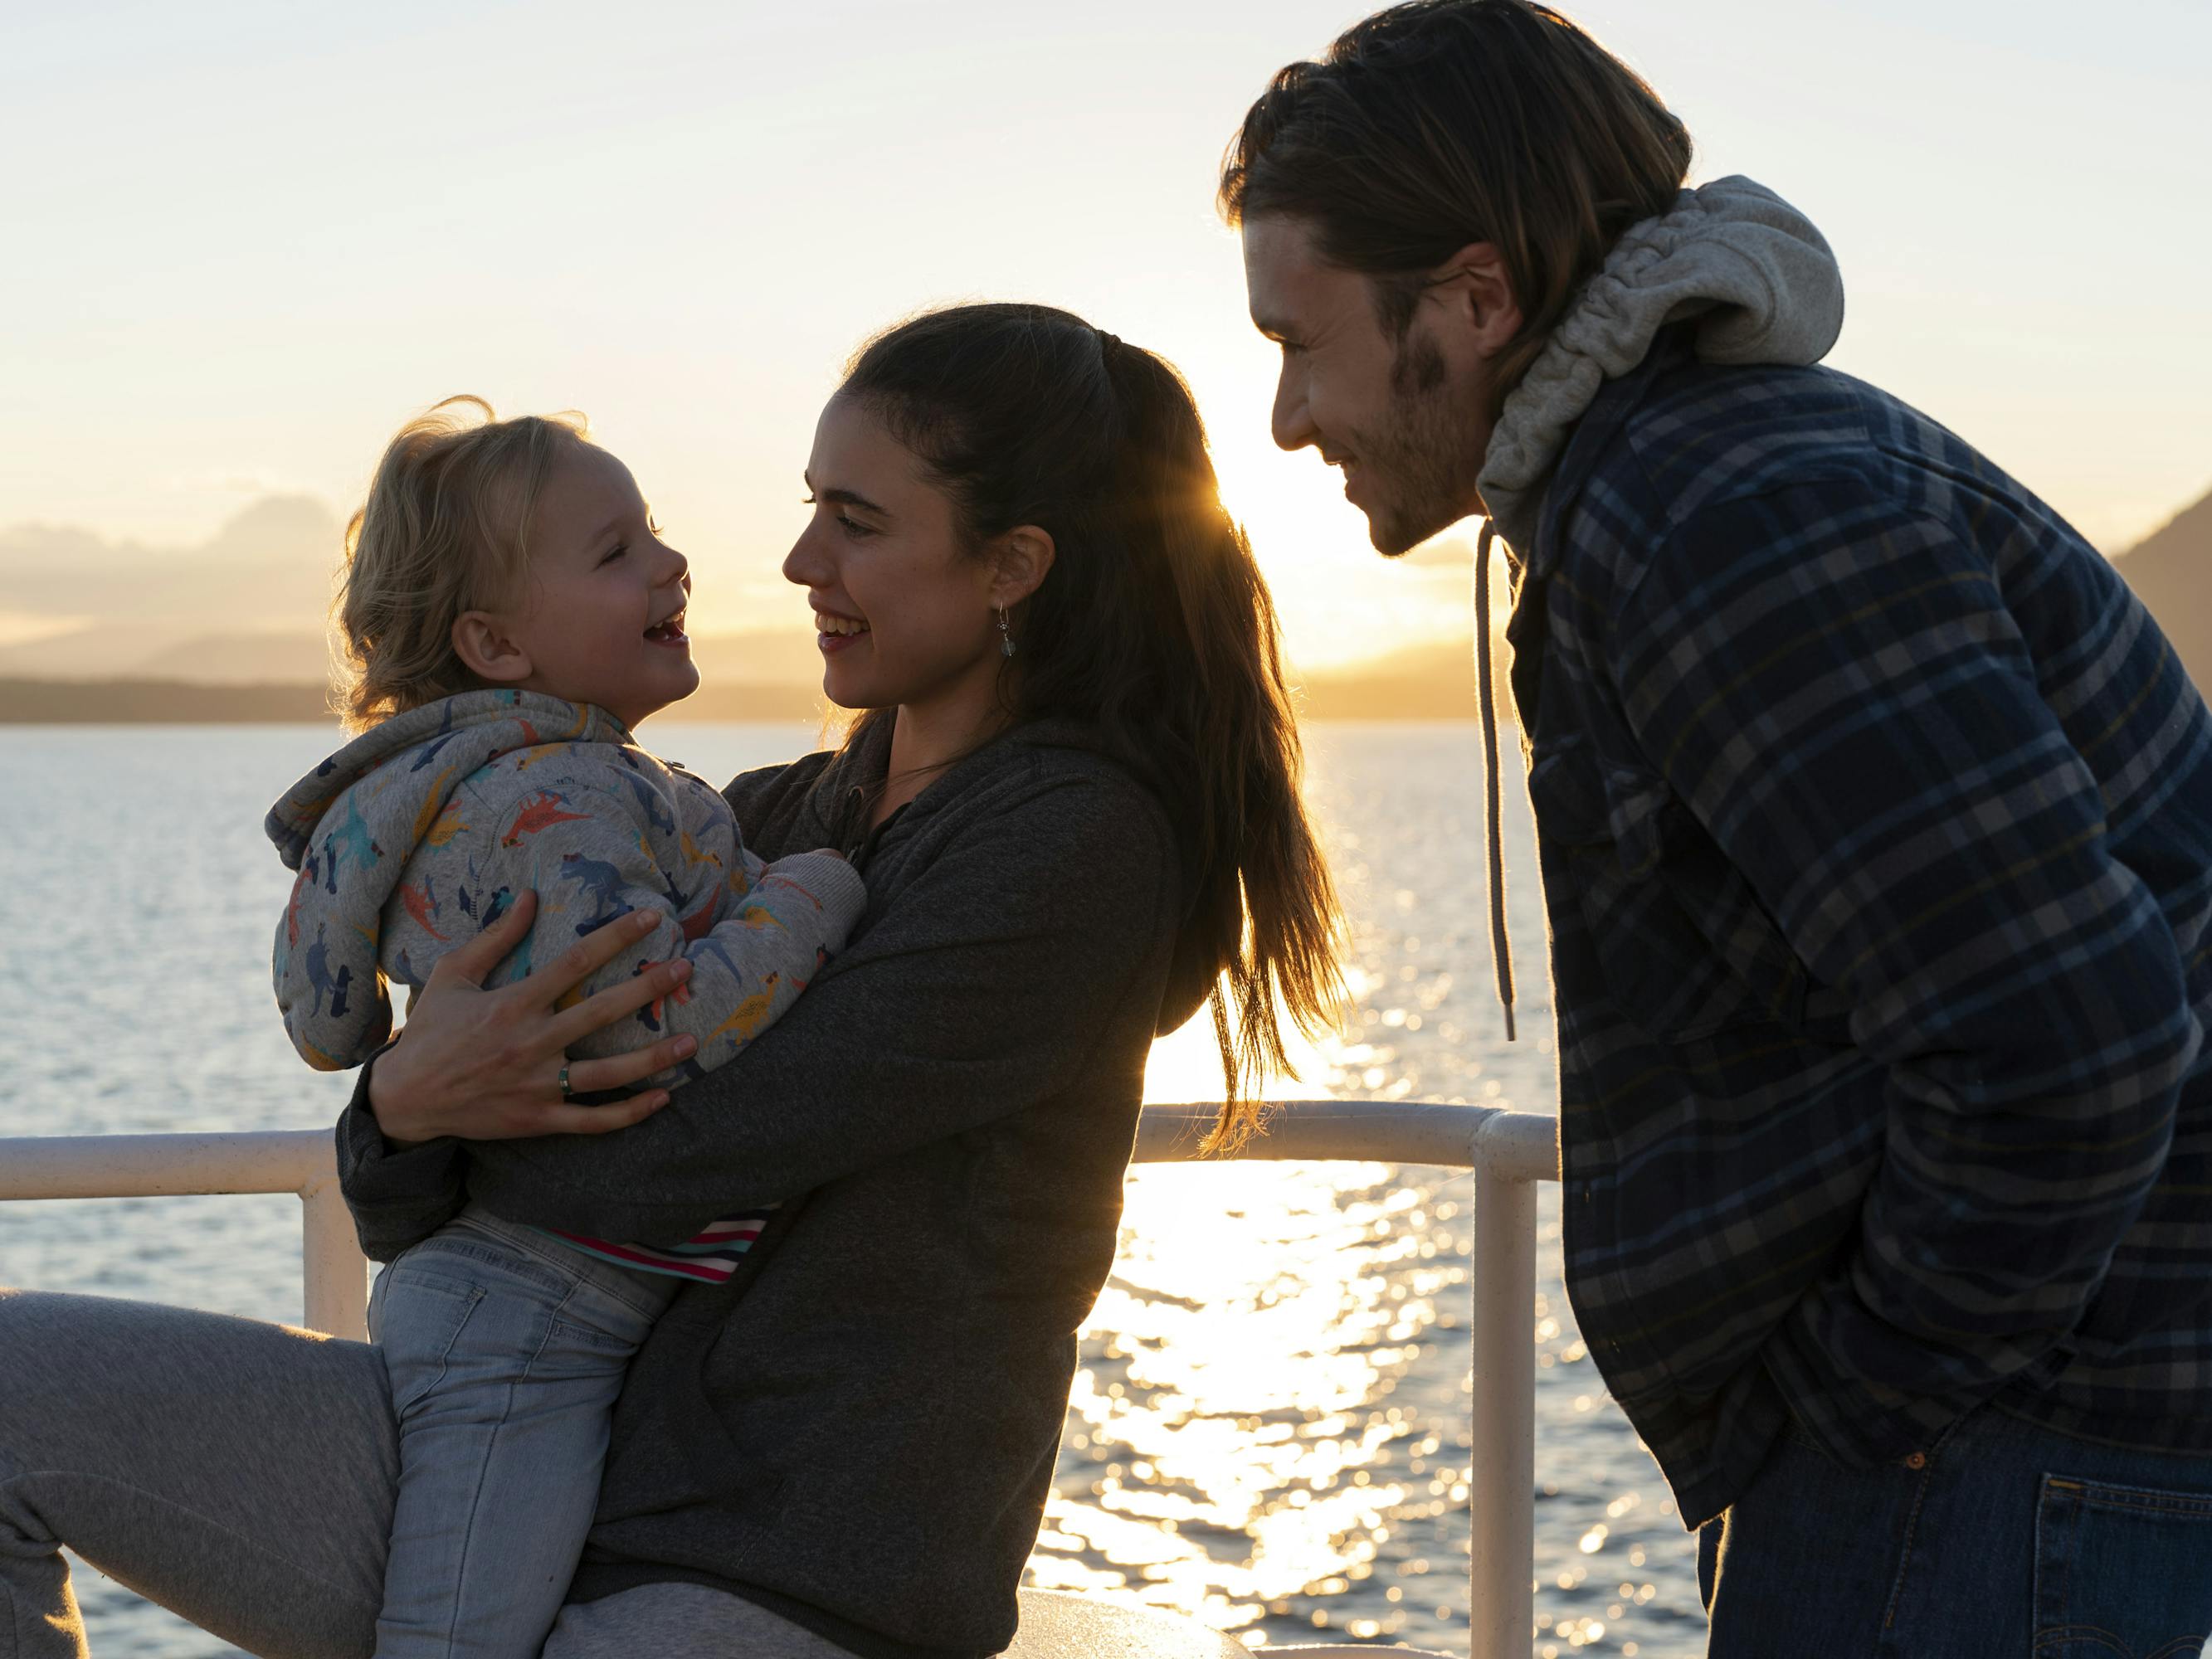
[{"x": 1223, "y": 1430}]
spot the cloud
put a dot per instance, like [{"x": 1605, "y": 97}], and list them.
[{"x": 271, "y": 566}]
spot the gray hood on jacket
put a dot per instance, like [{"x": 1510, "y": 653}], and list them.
[
  {"x": 1763, "y": 287},
  {"x": 1732, "y": 254}
]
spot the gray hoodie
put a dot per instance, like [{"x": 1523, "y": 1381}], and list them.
[
  {"x": 419, "y": 834},
  {"x": 1753, "y": 272},
  {"x": 1762, "y": 287}
]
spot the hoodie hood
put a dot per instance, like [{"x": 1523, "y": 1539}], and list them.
[
  {"x": 1760, "y": 286},
  {"x": 350, "y": 827},
  {"x": 1753, "y": 271}
]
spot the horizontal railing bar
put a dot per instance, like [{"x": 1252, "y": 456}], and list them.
[
  {"x": 1510, "y": 1150},
  {"x": 1518, "y": 1146},
  {"x": 151, "y": 1166},
  {"x": 1515, "y": 1146}
]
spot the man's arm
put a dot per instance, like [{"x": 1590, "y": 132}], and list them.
[
  {"x": 978, "y": 994},
  {"x": 1843, "y": 700}
]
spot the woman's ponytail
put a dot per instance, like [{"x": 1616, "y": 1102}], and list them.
[
  {"x": 1266, "y": 903},
  {"x": 1154, "y": 627}
]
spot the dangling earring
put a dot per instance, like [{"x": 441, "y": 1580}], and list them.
[{"x": 1006, "y": 634}]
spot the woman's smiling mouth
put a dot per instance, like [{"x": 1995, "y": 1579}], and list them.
[{"x": 834, "y": 632}]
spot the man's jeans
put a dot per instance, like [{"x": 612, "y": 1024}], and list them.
[
  {"x": 506, "y": 1349},
  {"x": 2006, "y": 1541}
]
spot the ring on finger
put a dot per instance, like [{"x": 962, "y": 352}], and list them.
[{"x": 565, "y": 1090}]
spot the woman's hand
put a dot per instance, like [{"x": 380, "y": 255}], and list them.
[{"x": 486, "y": 1065}]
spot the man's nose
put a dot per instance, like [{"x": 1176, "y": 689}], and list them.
[{"x": 1293, "y": 428}]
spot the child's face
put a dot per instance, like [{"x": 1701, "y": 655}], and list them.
[{"x": 601, "y": 619}]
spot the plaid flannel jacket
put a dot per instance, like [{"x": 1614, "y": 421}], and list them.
[{"x": 1875, "y": 819}]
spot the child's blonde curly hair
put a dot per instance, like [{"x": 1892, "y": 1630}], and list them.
[{"x": 446, "y": 530}]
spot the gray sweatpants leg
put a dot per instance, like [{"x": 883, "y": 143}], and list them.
[
  {"x": 681, "y": 1621},
  {"x": 239, "y": 1473}
]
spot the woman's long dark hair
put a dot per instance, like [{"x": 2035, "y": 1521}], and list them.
[{"x": 1154, "y": 627}]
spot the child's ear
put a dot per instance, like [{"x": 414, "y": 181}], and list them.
[{"x": 489, "y": 648}]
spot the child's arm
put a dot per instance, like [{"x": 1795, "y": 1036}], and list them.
[{"x": 751, "y": 951}]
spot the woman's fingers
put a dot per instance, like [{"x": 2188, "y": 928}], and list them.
[
  {"x": 598, "y": 1120},
  {"x": 603, "y": 1008},
  {"x": 589, "y": 1077},
  {"x": 549, "y": 983},
  {"x": 472, "y": 961}
]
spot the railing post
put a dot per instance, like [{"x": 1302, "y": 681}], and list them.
[
  {"x": 1502, "y": 1408},
  {"x": 336, "y": 1272}
]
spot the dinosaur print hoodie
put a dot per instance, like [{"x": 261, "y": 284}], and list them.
[{"x": 418, "y": 834}]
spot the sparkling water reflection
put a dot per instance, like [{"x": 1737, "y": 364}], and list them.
[{"x": 1269, "y": 1428}]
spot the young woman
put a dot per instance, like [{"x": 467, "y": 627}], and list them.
[{"x": 1074, "y": 800}]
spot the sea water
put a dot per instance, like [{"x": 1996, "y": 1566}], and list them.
[{"x": 1268, "y": 1430}]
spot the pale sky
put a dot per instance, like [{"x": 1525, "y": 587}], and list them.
[{"x": 245, "y": 241}]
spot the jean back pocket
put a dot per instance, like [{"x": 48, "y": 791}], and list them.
[
  {"x": 2121, "y": 1573},
  {"x": 421, "y": 1316}
]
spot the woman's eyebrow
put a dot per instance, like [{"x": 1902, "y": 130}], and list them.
[{"x": 848, "y": 498}]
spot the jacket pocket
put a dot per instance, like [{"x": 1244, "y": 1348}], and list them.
[
  {"x": 1684, "y": 945},
  {"x": 2120, "y": 1571}
]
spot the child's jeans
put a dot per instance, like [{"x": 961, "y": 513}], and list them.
[
  {"x": 2005, "y": 1540},
  {"x": 506, "y": 1349}
]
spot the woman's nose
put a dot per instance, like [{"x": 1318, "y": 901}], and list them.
[{"x": 806, "y": 564}]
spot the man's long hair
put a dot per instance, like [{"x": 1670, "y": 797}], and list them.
[{"x": 1441, "y": 123}]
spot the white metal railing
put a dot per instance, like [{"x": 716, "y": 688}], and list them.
[
  {"x": 301, "y": 1161},
  {"x": 1509, "y": 1152}
]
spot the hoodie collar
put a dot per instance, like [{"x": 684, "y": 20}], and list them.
[
  {"x": 1750, "y": 281},
  {"x": 493, "y": 720},
  {"x": 1754, "y": 277}
]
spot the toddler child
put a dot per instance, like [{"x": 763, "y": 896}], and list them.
[{"x": 510, "y": 613}]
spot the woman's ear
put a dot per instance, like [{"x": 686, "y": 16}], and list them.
[
  {"x": 487, "y": 644},
  {"x": 1021, "y": 559}
]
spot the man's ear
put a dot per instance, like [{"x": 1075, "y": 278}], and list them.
[
  {"x": 1020, "y": 560},
  {"x": 487, "y": 644},
  {"x": 1476, "y": 291}
]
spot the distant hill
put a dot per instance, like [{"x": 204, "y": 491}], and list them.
[
  {"x": 1428, "y": 682},
  {"x": 229, "y": 659},
  {"x": 2171, "y": 571},
  {"x": 214, "y": 633},
  {"x": 165, "y": 652},
  {"x": 137, "y": 701},
  {"x": 159, "y": 702},
  {"x": 271, "y": 564},
  {"x": 1431, "y": 681},
  {"x": 237, "y": 615}
]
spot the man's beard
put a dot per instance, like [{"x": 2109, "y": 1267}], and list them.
[{"x": 1424, "y": 462}]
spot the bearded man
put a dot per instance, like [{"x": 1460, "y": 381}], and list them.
[{"x": 1875, "y": 822}]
